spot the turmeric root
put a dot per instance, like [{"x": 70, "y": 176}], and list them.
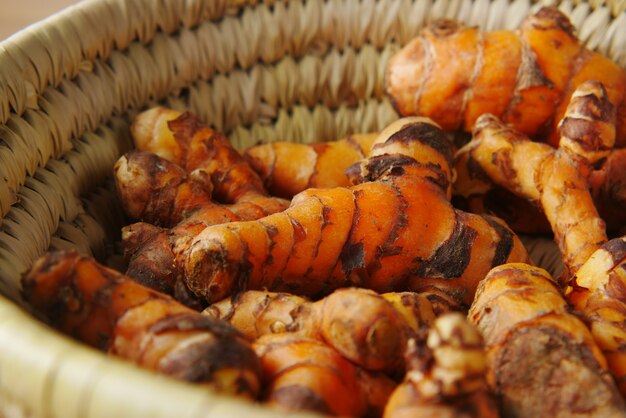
[
  {"x": 306, "y": 374},
  {"x": 540, "y": 357},
  {"x": 255, "y": 313},
  {"x": 454, "y": 74},
  {"x": 158, "y": 191},
  {"x": 106, "y": 310},
  {"x": 151, "y": 251},
  {"x": 599, "y": 293},
  {"x": 287, "y": 168},
  {"x": 568, "y": 205},
  {"x": 182, "y": 139},
  {"x": 155, "y": 188},
  {"x": 445, "y": 374},
  {"x": 366, "y": 328},
  {"x": 607, "y": 185},
  {"x": 395, "y": 229},
  {"x": 557, "y": 179}
]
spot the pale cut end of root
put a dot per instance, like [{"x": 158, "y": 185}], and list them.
[
  {"x": 212, "y": 265},
  {"x": 458, "y": 352}
]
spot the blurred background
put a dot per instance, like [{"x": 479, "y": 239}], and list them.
[{"x": 17, "y": 14}]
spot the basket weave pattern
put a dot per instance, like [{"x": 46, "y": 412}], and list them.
[{"x": 297, "y": 70}]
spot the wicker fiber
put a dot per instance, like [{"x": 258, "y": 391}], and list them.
[{"x": 300, "y": 70}]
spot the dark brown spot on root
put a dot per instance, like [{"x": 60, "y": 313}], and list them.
[
  {"x": 385, "y": 165},
  {"x": 427, "y": 134},
  {"x": 299, "y": 398},
  {"x": 438, "y": 177},
  {"x": 505, "y": 241},
  {"x": 154, "y": 267},
  {"x": 617, "y": 248},
  {"x": 388, "y": 248},
  {"x": 443, "y": 28},
  {"x": 453, "y": 256},
  {"x": 476, "y": 171},
  {"x": 299, "y": 232},
  {"x": 326, "y": 211},
  {"x": 355, "y": 172},
  {"x": 583, "y": 132},
  {"x": 201, "y": 270},
  {"x": 502, "y": 159},
  {"x": 184, "y": 295},
  {"x": 136, "y": 236},
  {"x": 199, "y": 361},
  {"x": 352, "y": 256}
]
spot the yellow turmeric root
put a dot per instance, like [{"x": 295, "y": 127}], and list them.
[
  {"x": 287, "y": 168},
  {"x": 107, "y": 310},
  {"x": 445, "y": 374},
  {"x": 394, "y": 230},
  {"x": 558, "y": 178},
  {"x": 542, "y": 360},
  {"x": 305, "y": 374},
  {"x": 476, "y": 193},
  {"x": 151, "y": 254},
  {"x": 454, "y": 74},
  {"x": 160, "y": 192},
  {"x": 182, "y": 139},
  {"x": 155, "y": 190},
  {"x": 555, "y": 179},
  {"x": 366, "y": 328},
  {"x": 170, "y": 183}
]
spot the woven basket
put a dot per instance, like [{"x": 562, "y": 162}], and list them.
[{"x": 301, "y": 70}]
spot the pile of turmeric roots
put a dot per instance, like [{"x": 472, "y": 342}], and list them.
[{"x": 340, "y": 278}]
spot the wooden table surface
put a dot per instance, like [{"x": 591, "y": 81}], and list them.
[{"x": 17, "y": 14}]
